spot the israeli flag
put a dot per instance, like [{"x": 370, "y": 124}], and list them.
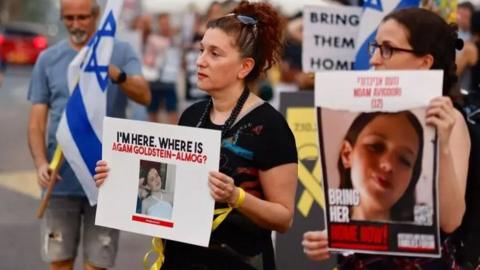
[
  {"x": 79, "y": 132},
  {"x": 373, "y": 13}
]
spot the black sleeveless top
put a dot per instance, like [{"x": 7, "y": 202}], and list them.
[
  {"x": 467, "y": 236},
  {"x": 475, "y": 74}
]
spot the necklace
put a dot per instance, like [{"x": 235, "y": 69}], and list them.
[{"x": 233, "y": 115}]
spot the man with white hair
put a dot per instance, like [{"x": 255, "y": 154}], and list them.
[{"x": 69, "y": 211}]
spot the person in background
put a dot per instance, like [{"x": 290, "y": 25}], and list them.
[
  {"x": 465, "y": 11},
  {"x": 161, "y": 66},
  {"x": 143, "y": 23},
  {"x": 467, "y": 59},
  {"x": 415, "y": 38},
  {"x": 69, "y": 215},
  {"x": 139, "y": 29}
]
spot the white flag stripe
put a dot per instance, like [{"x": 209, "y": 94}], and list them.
[
  {"x": 374, "y": 12},
  {"x": 70, "y": 151},
  {"x": 80, "y": 130}
]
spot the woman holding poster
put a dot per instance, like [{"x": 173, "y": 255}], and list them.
[
  {"x": 419, "y": 39},
  {"x": 258, "y": 165}
]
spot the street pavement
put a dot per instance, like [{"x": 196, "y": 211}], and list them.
[{"x": 19, "y": 192}]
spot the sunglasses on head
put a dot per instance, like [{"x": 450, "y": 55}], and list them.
[{"x": 246, "y": 20}]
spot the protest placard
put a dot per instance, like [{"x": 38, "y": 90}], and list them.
[
  {"x": 379, "y": 161},
  {"x": 329, "y": 36},
  {"x": 158, "y": 180}
]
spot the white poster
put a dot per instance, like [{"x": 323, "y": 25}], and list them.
[
  {"x": 158, "y": 180},
  {"x": 379, "y": 161},
  {"x": 329, "y": 36}
]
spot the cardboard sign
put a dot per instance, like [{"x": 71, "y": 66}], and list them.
[
  {"x": 298, "y": 109},
  {"x": 158, "y": 180},
  {"x": 329, "y": 37},
  {"x": 379, "y": 161}
]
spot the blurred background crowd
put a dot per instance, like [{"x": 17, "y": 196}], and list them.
[{"x": 166, "y": 35}]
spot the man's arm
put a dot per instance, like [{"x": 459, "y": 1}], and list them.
[
  {"x": 466, "y": 58},
  {"x": 135, "y": 86},
  {"x": 36, "y": 140}
]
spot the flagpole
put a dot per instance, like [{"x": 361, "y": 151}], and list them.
[{"x": 54, "y": 167}]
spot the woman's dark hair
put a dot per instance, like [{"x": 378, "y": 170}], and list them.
[
  {"x": 145, "y": 175},
  {"x": 430, "y": 34},
  {"x": 402, "y": 210},
  {"x": 261, "y": 40}
]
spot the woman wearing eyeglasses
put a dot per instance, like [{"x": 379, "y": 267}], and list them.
[
  {"x": 419, "y": 39},
  {"x": 258, "y": 164}
]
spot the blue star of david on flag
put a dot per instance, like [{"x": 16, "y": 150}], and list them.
[
  {"x": 80, "y": 129},
  {"x": 373, "y": 4},
  {"x": 108, "y": 29},
  {"x": 373, "y": 13}
]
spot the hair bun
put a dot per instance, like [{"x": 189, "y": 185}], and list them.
[{"x": 459, "y": 44}]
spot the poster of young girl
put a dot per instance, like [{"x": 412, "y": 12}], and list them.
[
  {"x": 379, "y": 161},
  {"x": 158, "y": 180}
]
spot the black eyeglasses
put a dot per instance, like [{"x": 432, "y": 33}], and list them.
[{"x": 386, "y": 50}]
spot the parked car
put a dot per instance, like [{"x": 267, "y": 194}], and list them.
[{"x": 21, "y": 43}]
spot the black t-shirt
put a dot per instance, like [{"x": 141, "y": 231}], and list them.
[{"x": 258, "y": 140}]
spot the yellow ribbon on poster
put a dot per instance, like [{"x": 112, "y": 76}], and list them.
[{"x": 302, "y": 122}]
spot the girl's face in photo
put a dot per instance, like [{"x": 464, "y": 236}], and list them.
[
  {"x": 153, "y": 180},
  {"x": 219, "y": 62},
  {"x": 382, "y": 160},
  {"x": 395, "y": 35}
]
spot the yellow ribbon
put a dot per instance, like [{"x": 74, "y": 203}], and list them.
[
  {"x": 157, "y": 247},
  {"x": 57, "y": 155},
  {"x": 221, "y": 214},
  {"x": 313, "y": 190},
  {"x": 157, "y": 244}
]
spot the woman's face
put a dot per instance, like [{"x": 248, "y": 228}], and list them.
[
  {"x": 153, "y": 180},
  {"x": 219, "y": 63},
  {"x": 382, "y": 160},
  {"x": 396, "y": 35}
]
